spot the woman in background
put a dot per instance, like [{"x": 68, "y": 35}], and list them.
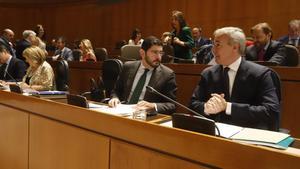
[
  {"x": 39, "y": 74},
  {"x": 136, "y": 37},
  {"x": 182, "y": 37},
  {"x": 88, "y": 53}
]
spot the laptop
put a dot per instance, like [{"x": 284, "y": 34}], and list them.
[{"x": 194, "y": 123}]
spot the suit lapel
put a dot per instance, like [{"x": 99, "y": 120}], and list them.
[
  {"x": 130, "y": 78},
  {"x": 240, "y": 76},
  {"x": 154, "y": 79}
]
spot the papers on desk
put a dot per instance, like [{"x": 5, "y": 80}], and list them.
[{"x": 120, "y": 110}]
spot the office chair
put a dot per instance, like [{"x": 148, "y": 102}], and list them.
[
  {"x": 77, "y": 54},
  {"x": 130, "y": 52},
  {"x": 101, "y": 54},
  {"x": 62, "y": 75},
  {"x": 101, "y": 90},
  {"x": 204, "y": 55},
  {"x": 77, "y": 100},
  {"x": 168, "y": 56},
  {"x": 292, "y": 55}
]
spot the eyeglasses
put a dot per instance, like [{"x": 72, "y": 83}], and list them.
[{"x": 157, "y": 52}]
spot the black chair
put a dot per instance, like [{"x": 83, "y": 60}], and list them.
[
  {"x": 204, "y": 55},
  {"x": 101, "y": 54},
  {"x": 62, "y": 75},
  {"x": 168, "y": 56},
  {"x": 77, "y": 100},
  {"x": 77, "y": 54},
  {"x": 292, "y": 55},
  {"x": 101, "y": 90}
]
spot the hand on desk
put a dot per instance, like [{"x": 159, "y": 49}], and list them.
[
  {"x": 144, "y": 105},
  {"x": 113, "y": 102},
  {"x": 215, "y": 104}
]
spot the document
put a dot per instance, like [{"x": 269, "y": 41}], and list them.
[{"x": 123, "y": 110}]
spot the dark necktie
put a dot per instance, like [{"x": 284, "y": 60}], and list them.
[
  {"x": 226, "y": 83},
  {"x": 138, "y": 88},
  {"x": 2, "y": 70},
  {"x": 261, "y": 54}
]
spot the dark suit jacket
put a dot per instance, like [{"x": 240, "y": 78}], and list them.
[
  {"x": 284, "y": 39},
  {"x": 184, "y": 52},
  {"x": 255, "y": 101},
  {"x": 203, "y": 41},
  {"x": 162, "y": 79},
  {"x": 275, "y": 53},
  {"x": 20, "y": 47},
  {"x": 5, "y": 42},
  {"x": 16, "y": 69}
]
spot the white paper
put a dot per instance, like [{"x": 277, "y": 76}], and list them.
[
  {"x": 227, "y": 130},
  {"x": 120, "y": 110}
]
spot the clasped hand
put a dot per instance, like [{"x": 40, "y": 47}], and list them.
[{"x": 215, "y": 104}]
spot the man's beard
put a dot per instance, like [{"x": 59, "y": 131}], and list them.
[{"x": 153, "y": 64}]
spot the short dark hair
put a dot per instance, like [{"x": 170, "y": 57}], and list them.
[
  {"x": 62, "y": 39},
  {"x": 150, "y": 41},
  {"x": 134, "y": 33},
  {"x": 3, "y": 48}
]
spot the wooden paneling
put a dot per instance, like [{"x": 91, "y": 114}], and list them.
[
  {"x": 60, "y": 146},
  {"x": 135, "y": 157},
  {"x": 107, "y": 23},
  {"x": 13, "y": 138}
]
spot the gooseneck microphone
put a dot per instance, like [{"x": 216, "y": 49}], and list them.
[
  {"x": 152, "y": 90},
  {"x": 208, "y": 121}
]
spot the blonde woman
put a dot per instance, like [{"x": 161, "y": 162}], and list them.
[
  {"x": 40, "y": 75},
  {"x": 88, "y": 53}
]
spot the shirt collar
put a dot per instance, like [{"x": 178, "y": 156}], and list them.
[{"x": 235, "y": 65}]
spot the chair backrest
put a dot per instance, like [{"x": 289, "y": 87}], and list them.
[
  {"x": 76, "y": 54},
  {"x": 204, "y": 54},
  {"x": 62, "y": 75},
  {"x": 101, "y": 54},
  {"x": 131, "y": 52},
  {"x": 77, "y": 100},
  {"x": 292, "y": 54},
  {"x": 276, "y": 80},
  {"x": 168, "y": 56},
  {"x": 110, "y": 73}
]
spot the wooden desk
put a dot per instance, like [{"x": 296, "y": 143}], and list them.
[
  {"x": 187, "y": 77},
  {"x": 41, "y": 134}
]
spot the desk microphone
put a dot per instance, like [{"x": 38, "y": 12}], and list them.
[{"x": 207, "y": 120}]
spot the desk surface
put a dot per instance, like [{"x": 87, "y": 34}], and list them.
[{"x": 147, "y": 141}]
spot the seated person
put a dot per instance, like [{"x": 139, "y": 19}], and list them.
[
  {"x": 199, "y": 41},
  {"x": 136, "y": 37},
  {"x": 12, "y": 68},
  {"x": 264, "y": 48},
  {"x": 62, "y": 52},
  {"x": 293, "y": 37},
  {"x": 136, "y": 75},
  {"x": 87, "y": 50},
  {"x": 40, "y": 75},
  {"x": 237, "y": 91}
]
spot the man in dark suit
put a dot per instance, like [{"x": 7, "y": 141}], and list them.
[
  {"x": 198, "y": 39},
  {"x": 62, "y": 51},
  {"x": 28, "y": 36},
  {"x": 11, "y": 68},
  {"x": 237, "y": 91},
  {"x": 293, "y": 37},
  {"x": 150, "y": 71},
  {"x": 6, "y": 40},
  {"x": 264, "y": 48}
]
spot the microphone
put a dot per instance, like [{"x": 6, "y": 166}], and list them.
[{"x": 209, "y": 123}]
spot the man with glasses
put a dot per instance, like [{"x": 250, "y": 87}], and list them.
[
  {"x": 136, "y": 75},
  {"x": 237, "y": 91}
]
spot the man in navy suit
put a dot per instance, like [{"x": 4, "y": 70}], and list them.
[
  {"x": 28, "y": 36},
  {"x": 11, "y": 68},
  {"x": 237, "y": 91},
  {"x": 198, "y": 39},
  {"x": 157, "y": 76},
  {"x": 264, "y": 48},
  {"x": 293, "y": 37}
]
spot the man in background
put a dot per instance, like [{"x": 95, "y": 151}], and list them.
[
  {"x": 7, "y": 40},
  {"x": 62, "y": 51}
]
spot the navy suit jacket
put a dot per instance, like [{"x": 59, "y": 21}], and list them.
[
  {"x": 254, "y": 98},
  {"x": 20, "y": 47},
  {"x": 66, "y": 54},
  {"x": 275, "y": 53},
  {"x": 162, "y": 79},
  {"x": 16, "y": 69}
]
